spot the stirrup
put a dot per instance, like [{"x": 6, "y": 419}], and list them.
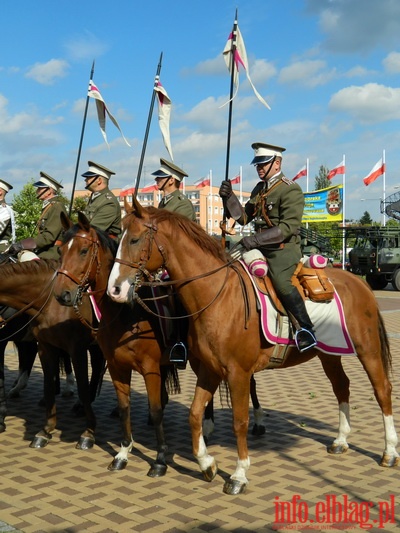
[
  {"x": 178, "y": 354},
  {"x": 306, "y": 340}
]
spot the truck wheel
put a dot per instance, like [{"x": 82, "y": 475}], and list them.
[
  {"x": 377, "y": 283},
  {"x": 396, "y": 280}
]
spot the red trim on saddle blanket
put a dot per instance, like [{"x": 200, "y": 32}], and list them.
[
  {"x": 328, "y": 318},
  {"x": 95, "y": 307}
]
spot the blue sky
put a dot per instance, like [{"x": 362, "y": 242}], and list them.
[{"x": 328, "y": 68}]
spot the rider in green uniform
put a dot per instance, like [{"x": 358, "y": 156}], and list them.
[
  {"x": 276, "y": 207},
  {"x": 49, "y": 228},
  {"x": 103, "y": 209},
  {"x": 168, "y": 178}
]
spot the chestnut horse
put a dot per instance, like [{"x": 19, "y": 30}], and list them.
[
  {"x": 129, "y": 337},
  {"x": 27, "y": 287},
  {"x": 213, "y": 287}
]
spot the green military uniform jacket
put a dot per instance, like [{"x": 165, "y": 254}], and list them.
[
  {"x": 284, "y": 206},
  {"x": 104, "y": 212},
  {"x": 5, "y": 227},
  {"x": 177, "y": 202},
  {"x": 49, "y": 229}
]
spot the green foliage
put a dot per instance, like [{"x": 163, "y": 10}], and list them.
[
  {"x": 79, "y": 204},
  {"x": 27, "y": 209},
  {"x": 366, "y": 219},
  {"x": 393, "y": 223},
  {"x": 321, "y": 181}
]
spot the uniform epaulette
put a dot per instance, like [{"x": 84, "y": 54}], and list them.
[{"x": 287, "y": 180}]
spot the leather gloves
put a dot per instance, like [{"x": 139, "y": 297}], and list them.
[
  {"x": 25, "y": 244},
  {"x": 225, "y": 189}
]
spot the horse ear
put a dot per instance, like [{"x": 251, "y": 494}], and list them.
[
  {"x": 135, "y": 209},
  {"x": 65, "y": 221},
  {"x": 83, "y": 221}
]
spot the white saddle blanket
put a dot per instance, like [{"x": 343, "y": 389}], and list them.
[{"x": 328, "y": 318}]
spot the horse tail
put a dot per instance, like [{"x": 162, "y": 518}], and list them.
[{"x": 386, "y": 355}]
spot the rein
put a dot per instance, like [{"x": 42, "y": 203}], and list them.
[
  {"x": 150, "y": 237},
  {"x": 28, "y": 306},
  {"x": 83, "y": 283}
]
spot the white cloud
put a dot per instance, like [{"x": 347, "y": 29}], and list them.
[
  {"x": 86, "y": 46},
  {"x": 309, "y": 72},
  {"x": 370, "y": 103},
  {"x": 48, "y": 73},
  {"x": 357, "y": 25},
  {"x": 391, "y": 63}
]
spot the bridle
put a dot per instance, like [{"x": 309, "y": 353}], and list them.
[
  {"x": 83, "y": 284},
  {"x": 142, "y": 273}
]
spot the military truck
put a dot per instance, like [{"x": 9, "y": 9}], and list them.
[{"x": 376, "y": 255}]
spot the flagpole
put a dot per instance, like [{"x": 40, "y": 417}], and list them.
[
  {"x": 344, "y": 216},
  {"x": 80, "y": 144},
  {"x": 384, "y": 187},
  {"x": 228, "y": 142},
  {"x": 241, "y": 187},
  {"x": 146, "y": 135}
]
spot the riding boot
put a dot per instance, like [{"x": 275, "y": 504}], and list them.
[{"x": 296, "y": 309}]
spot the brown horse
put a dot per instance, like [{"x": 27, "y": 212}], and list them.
[
  {"x": 225, "y": 334},
  {"x": 27, "y": 287},
  {"x": 130, "y": 338}
]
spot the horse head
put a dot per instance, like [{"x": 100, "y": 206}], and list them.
[
  {"x": 139, "y": 254},
  {"x": 86, "y": 259}
]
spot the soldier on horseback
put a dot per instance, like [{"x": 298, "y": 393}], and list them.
[{"x": 276, "y": 206}]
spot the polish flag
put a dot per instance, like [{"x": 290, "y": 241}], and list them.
[
  {"x": 235, "y": 180},
  {"x": 126, "y": 191},
  {"x": 202, "y": 182},
  {"x": 164, "y": 113},
  {"x": 149, "y": 188},
  {"x": 302, "y": 172},
  {"x": 340, "y": 169},
  {"x": 377, "y": 171}
]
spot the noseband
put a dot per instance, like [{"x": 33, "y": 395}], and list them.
[{"x": 84, "y": 282}]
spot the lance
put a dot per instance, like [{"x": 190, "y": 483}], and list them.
[
  {"x": 228, "y": 142},
  {"x": 80, "y": 142},
  {"x": 146, "y": 135}
]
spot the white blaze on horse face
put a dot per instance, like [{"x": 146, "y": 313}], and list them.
[
  {"x": 117, "y": 290},
  {"x": 69, "y": 244}
]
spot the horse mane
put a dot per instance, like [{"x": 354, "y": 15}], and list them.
[
  {"x": 106, "y": 242},
  {"x": 193, "y": 230},
  {"x": 29, "y": 267}
]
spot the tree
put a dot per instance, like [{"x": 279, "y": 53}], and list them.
[
  {"x": 321, "y": 181},
  {"x": 79, "y": 204},
  {"x": 366, "y": 219}
]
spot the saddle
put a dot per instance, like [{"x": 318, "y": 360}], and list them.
[{"x": 312, "y": 283}]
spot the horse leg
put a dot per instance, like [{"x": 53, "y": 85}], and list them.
[
  {"x": 154, "y": 386},
  {"x": 69, "y": 386},
  {"x": 3, "y": 402},
  {"x": 80, "y": 366},
  {"x": 239, "y": 386},
  {"x": 49, "y": 361},
  {"x": 98, "y": 364},
  {"x": 208, "y": 422},
  {"x": 258, "y": 413},
  {"x": 207, "y": 384},
  {"x": 27, "y": 351},
  {"x": 334, "y": 371},
  {"x": 121, "y": 378}
]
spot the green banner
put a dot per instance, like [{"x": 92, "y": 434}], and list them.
[{"x": 325, "y": 205}]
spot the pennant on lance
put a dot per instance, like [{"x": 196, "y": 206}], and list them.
[{"x": 164, "y": 113}]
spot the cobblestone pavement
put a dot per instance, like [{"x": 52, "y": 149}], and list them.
[{"x": 61, "y": 489}]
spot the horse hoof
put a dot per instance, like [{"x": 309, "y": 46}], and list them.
[
  {"x": 40, "y": 442},
  {"x": 85, "y": 443},
  {"x": 211, "y": 472},
  {"x": 157, "y": 470},
  {"x": 2, "y": 428},
  {"x": 258, "y": 430},
  {"x": 117, "y": 464},
  {"x": 338, "y": 449},
  {"x": 388, "y": 461},
  {"x": 234, "y": 487}
]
